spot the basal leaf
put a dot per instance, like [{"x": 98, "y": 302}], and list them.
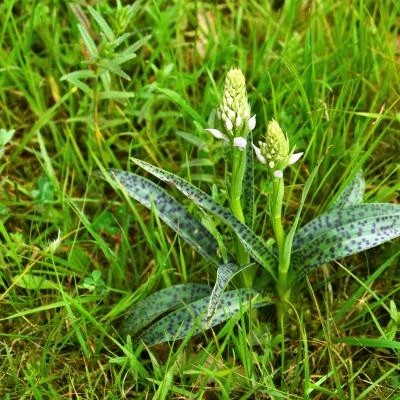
[
  {"x": 340, "y": 217},
  {"x": 352, "y": 194},
  {"x": 192, "y": 319},
  {"x": 143, "y": 313},
  {"x": 170, "y": 211},
  {"x": 254, "y": 244},
  {"x": 346, "y": 231},
  {"x": 224, "y": 275}
]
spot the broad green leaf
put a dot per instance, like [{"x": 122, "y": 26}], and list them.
[
  {"x": 6, "y": 136},
  {"x": 192, "y": 319},
  {"x": 254, "y": 244},
  {"x": 150, "y": 308},
  {"x": 352, "y": 194},
  {"x": 248, "y": 184},
  {"x": 346, "y": 231},
  {"x": 170, "y": 211},
  {"x": 33, "y": 281}
]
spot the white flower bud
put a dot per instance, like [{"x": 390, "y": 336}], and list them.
[
  {"x": 295, "y": 157},
  {"x": 217, "y": 134},
  {"x": 252, "y": 122},
  {"x": 259, "y": 156},
  {"x": 240, "y": 143}
]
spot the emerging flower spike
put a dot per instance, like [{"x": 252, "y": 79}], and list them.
[
  {"x": 276, "y": 146},
  {"x": 234, "y": 103},
  {"x": 234, "y": 111},
  {"x": 275, "y": 150}
]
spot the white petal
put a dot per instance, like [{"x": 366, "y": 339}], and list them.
[
  {"x": 217, "y": 134},
  {"x": 252, "y": 122},
  {"x": 228, "y": 124},
  {"x": 238, "y": 120},
  {"x": 278, "y": 174},
  {"x": 239, "y": 142},
  {"x": 259, "y": 156},
  {"x": 295, "y": 157}
]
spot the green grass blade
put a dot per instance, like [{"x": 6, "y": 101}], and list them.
[
  {"x": 292, "y": 232},
  {"x": 192, "y": 319},
  {"x": 352, "y": 194},
  {"x": 346, "y": 231},
  {"x": 150, "y": 308},
  {"x": 254, "y": 244},
  {"x": 170, "y": 211},
  {"x": 370, "y": 342},
  {"x": 181, "y": 102}
]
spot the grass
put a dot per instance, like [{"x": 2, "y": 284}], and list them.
[{"x": 327, "y": 71}]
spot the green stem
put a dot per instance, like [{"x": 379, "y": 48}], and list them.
[
  {"x": 238, "y": 171},
  {"x": 278, "y": 189}
]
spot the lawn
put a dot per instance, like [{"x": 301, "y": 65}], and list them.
[{"x": 90, "y": 87}]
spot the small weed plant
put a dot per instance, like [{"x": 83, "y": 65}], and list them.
[{"x": 267, "y": 271}]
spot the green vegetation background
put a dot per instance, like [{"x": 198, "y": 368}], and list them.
[{"x": 328, "y": 71}]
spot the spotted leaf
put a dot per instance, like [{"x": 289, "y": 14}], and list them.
[
  {"x": 147, "y": 310},
  {"x": 352, "y": 194},
  {"x": 224, "y": 275},
  {"x": 254, "y": 244},
  {"x": 170, "y": 211},
  {"x": 345, "y": 231},
  {"x": 192, "y": 318}
]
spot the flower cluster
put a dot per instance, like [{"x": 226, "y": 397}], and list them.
[
  {"x": 275, "y": 150},
  {"x": 234, "y": 111}
]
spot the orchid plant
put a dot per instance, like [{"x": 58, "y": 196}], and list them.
[{"x": 347, "y": 227}]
